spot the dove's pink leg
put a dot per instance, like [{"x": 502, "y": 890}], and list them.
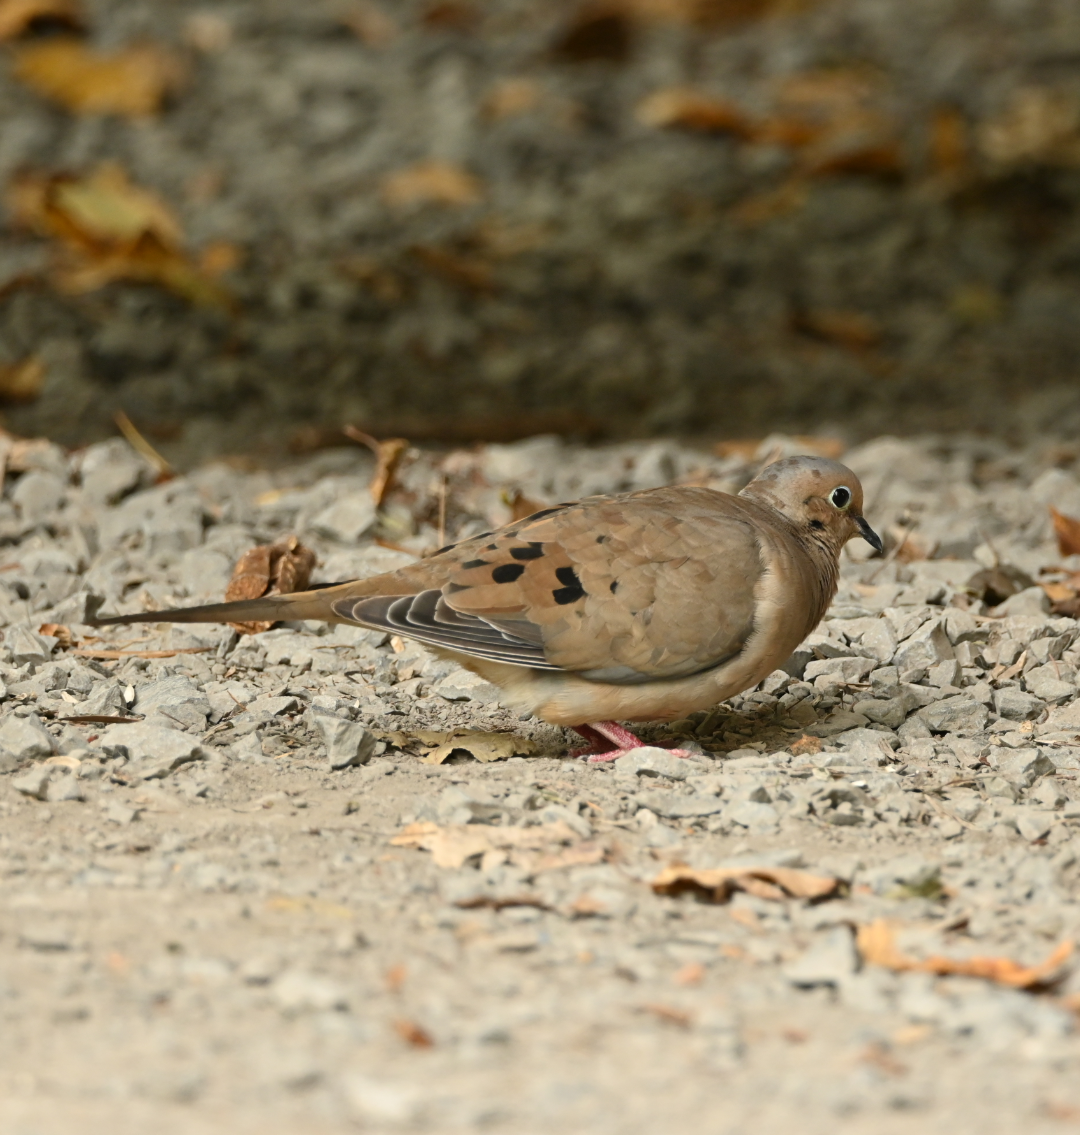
[{"x": 609, "y": 741}]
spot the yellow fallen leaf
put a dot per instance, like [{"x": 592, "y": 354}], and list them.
[
  {"x": 1067, "y": 531},
  {"x": 485, "y": 747},
  {"x": 17, "y": 17},
  {"x": 109, "y": 229},
  {"x": 877, "y": 945},
  {"x": 431, "y": 183},
  {"x": 134, "y": 81},
  {"x": 21, "y": 382},
  {"x": 719, "y": 883},
  {"x": 687, "y": 109}
]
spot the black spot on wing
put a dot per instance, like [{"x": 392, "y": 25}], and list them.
[
  {"x": 444, "y": 548},
  {"x": 475, "y": 564},
  {"x": 507, "y": 573},
  {"x": 572, "y": 591},
  {"x": 613, "y": 586},
  {"x": 533, "y": 552}
]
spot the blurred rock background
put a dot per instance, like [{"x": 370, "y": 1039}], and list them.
[{"x": 482, "y": 220}]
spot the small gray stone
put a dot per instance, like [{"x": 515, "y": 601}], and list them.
[
  {"x": 958, "y": 714},
  {"x": 830, "y": 960},
  {"x": 347, "y": 519},
  {"x": 680, "y": 807},
  {"x": 64, "y": 788},
  {"x": 154, "y": 750},
  {"x": 297, "y": 992},
  {"x": 1030, "y": 601},
  {"x": 29, "y": 647},
  {"x": 119, "y": 813},
  {"x": 1050, "y": 683},
  {"x": 553, "y": 813},
  {"x": 347, "y": 742},
  {"x": 34, "y": 782},
  {"x": 945, "y": 673},
  {"x": 38, "y": 495},
  {"x": 891, "y": 713},
  {"x": 1016, "y": 705},
  {"x": 924, "y": 649},
  {"x": 1031, "y": 823},
  {"x": 648, "y": 760},
  {"x": 106, "y": 698},
  {"x": 839, "y": 721},
  {"x": 25, "y": 738},
  {"x": 174, "y": 701},
  {"x": 1021, "y": 766},
  {"x": 112, "y": 469},
  {"x": 1047, "y": 794},
  {"x": 274, "y": 706},
  {"x": 758, "y": 817},
  {"x": 466, "y": 686}
]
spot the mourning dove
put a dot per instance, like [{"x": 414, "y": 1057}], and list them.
[{"x": 638, "y": 607}]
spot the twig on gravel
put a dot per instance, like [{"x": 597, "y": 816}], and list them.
[
  {"x": 110, "y": 655},
  {"x": 136, "y": 440}
]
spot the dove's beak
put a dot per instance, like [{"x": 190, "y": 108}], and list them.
[{"x": 868, "y": 534}]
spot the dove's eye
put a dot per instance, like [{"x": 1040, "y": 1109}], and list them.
[{"x": 840, "y": 497}]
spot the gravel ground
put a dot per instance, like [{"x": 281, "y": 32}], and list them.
[
  {"x": 206, "y": 924},
  {"x": 586, "y": 272}
]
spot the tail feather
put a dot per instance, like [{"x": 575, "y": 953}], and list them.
[{"x": 272, "y": 608}]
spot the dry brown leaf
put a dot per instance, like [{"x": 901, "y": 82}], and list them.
[
  {"x": 849, "y": 329},
  {"x": 438, "y": 746},
  {"x": 134, "y": 81},
  {"x": 431, "y": 183},
  {"x": 269, "y": 569},
  {"x": 453, "y": 844},
  {"x": 597, "y": 32},
  {"x": 759, "y": 208},
  {"x": 877, "y": 945},
  {"x": 485, "y": 747},
  {"x": 369, "y": 23},
  {"x": 949, "y": 148},
  {"x": 61, "y": 633},
  {"x": 1067, "y": 531},
  {"x": 219, "y": 257},
  {"x": 1040, "y": 124},
  {"x": 686, "y": 109},
  {"x": 109, "y": 229},
  {"x": 805, "y": 745},
  {"x": 413, "y": 1034},
  {"x": 512, "y": 97},
  {"x": 17, "y": 17},
  {"x": 467, "y": 272},
  {"x": 21, "y": 381},
  {"x": 388, "y": 455},
  {"x": 719, "y": 883},
  {"x": 450, "y": 15}
]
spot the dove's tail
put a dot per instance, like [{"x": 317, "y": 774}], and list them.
[{"x": 313, "y": 604}]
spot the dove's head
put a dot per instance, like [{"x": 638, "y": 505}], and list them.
[{"x": 821, "y": 496}]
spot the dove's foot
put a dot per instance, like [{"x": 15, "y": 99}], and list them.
[{"x": 608, "y": 741}]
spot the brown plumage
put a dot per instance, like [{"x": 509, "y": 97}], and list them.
[{"x": 644, "y": 606}]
